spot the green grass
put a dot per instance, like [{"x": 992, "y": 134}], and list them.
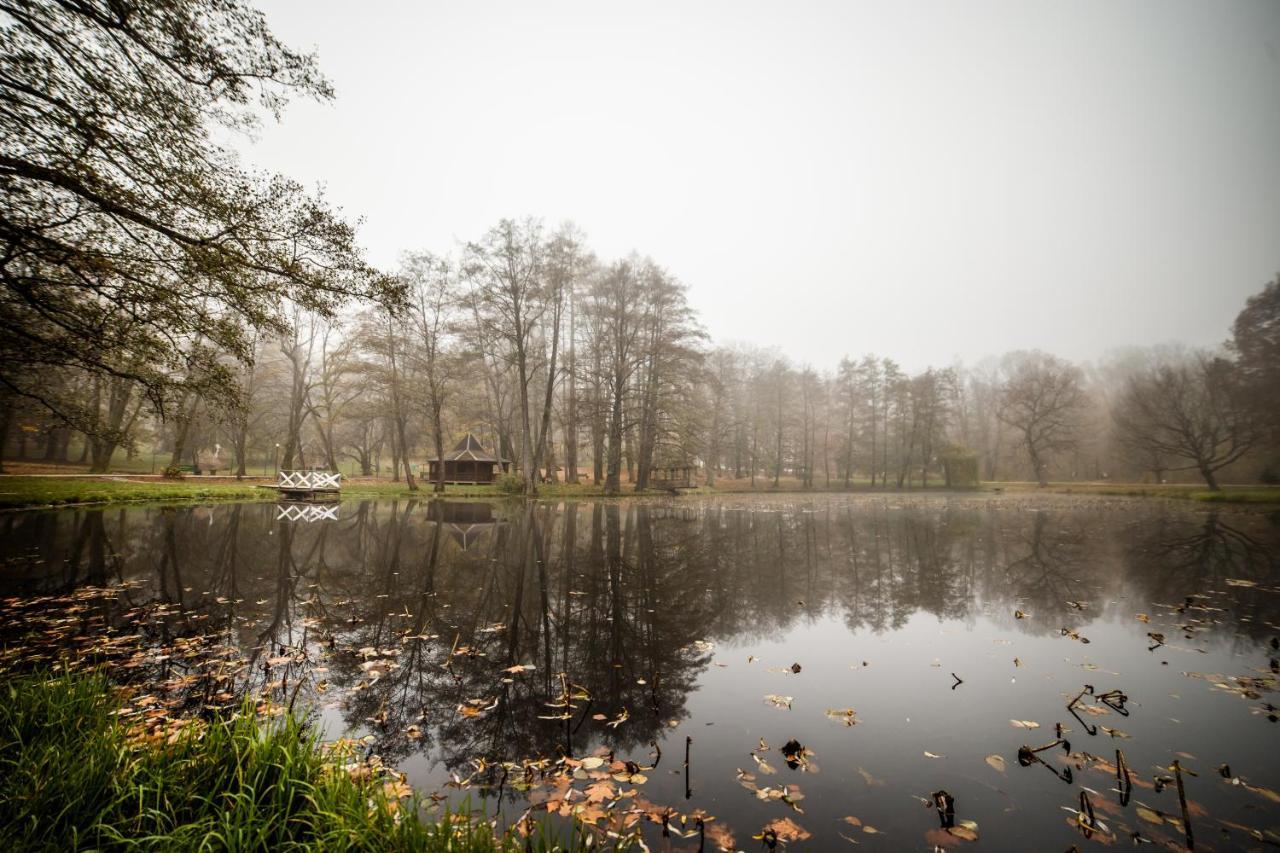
[
  {"x": 37, "y": 491},
  {"x": 71, "y": 777},
  {"x": 1181, "y": 491}
]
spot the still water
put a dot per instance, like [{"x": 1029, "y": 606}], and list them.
[{"x": 894, "y": 648}]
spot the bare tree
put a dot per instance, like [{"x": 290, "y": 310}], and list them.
[
  {"x": 1041, "y": 398},
  {"x": 505, "y": 268},
  {"x": 432, "y": 294},
  {"x": 1192, "y": 409}
]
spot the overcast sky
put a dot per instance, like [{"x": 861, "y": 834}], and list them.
[{"x": 925, "y": 181}]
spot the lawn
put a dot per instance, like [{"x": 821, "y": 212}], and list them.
[{"x": 16, "y": 492}]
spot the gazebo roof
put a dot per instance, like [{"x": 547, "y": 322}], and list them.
[{"x": 468, "y": 450}]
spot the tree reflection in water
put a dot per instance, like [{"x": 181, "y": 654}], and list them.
[{"x": 413, "y": 610}]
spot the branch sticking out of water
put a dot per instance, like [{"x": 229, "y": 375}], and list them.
[{"x": 1182, "y": 801}]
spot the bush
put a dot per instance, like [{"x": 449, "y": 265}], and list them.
[
  {"x": 173, "y": 472},
  {"x": 510, "y": 484}
]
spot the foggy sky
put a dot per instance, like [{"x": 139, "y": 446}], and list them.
[{"x": 928, "y": 181}]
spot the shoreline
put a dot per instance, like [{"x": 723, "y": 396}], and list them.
[{"x": 34, "y": 491}]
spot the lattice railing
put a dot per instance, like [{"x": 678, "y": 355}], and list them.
[
  {"x": 306, "y": 512},
  {"x": 309, "y": 480}
]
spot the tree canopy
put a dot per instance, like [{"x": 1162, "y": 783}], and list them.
[{"x": 133, "y": 246}]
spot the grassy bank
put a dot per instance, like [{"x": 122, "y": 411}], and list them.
[
  {"x": 37, "y": 491},
  {"x": 17, "y": 492},
  {"x": 74, "y": 776},
  {"x": 1185, "y": 492}
]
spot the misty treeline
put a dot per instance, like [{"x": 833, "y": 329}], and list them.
[
  {"x": 159, "y": 296},
  {"x": 581, "y": 369}
]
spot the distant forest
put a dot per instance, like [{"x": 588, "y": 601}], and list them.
[{"x": 162, "y": 300}]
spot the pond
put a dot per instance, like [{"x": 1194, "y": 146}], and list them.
[{"x": 837, "y": 670}]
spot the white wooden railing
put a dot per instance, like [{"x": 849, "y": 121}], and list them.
[
  {"x": 307, "y": 512},
  {"x": 309, "y": 480}
]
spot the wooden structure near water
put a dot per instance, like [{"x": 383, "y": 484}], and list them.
[
  {"x": 468, "y": 463},
  {"x": 308, "y": 485},
  {"x": 673, "y": 477}
]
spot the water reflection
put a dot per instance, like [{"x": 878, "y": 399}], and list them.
[{"x": 452, "y": 632}]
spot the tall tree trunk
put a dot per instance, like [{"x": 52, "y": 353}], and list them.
[
  {"x": 437, "y": 427},
  {"x": 571, "y": 403},
  {"x": 6, "y": 421},
  {"x": 613, "y": 475},
  {"x": 1210, "y": 478}
]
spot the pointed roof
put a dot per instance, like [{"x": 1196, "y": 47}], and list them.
[{"x": 468, "y": 450}]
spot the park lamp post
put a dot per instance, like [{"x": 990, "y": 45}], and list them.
[{"x": 277, "y": 460}]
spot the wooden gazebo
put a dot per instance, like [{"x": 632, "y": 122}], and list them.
[
  {"x": 672, "y": 476},
  {"x": 468, "y": 462}
]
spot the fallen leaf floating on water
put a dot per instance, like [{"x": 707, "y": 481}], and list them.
[
  {"x": 1149, "y": 816},
  {"x": 1024, "y": 724},
  {"x": 871, "y": 780},
  {"x": 1240, "y": 582},
  {"x": 782, "y": 829},
  {"x": 928, "y": 754},
  {"x": 779, "y": 701},
  {"x": 852, "y": 821},
  {"x": 845, "y": 716},
  {"x": 1114, "y": 732},
  {"x": 1142, "y": 617},
  {"x": 1018, "y": 614},
  {"x": 996, "y": 761},
  {"x": 795, "y": 668},
  {"x": 520, "y": 667}
]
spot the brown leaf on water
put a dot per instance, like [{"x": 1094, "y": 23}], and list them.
[
  {"x": 1149, "y": 816},
  {"x": 720, "y": 837},
  {"x": 1024, "y": 724},
  {"x": 871, "y": 780},
  {"x": 600, "y": 792},
  {"x": 928, "y": 754},
  {"x": 852, "y": 821},
  {"x": 1142, "y": 617},
  {"x": 779, "y": 701},
  {"x": 787, "y": 829},
  {"x": 1265, "y": 792},
  {"x": 764, "y": 766},
  {"x": 845, "y": 716},
  {"x": 996, "y": 762}
]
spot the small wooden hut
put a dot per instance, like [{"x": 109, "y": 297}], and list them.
[
  {"x": 468, "y": 462},
  {"x": 673, "y": 475}
]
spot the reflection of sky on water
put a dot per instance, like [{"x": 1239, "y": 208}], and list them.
[{"x": 617, "y": 594}]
